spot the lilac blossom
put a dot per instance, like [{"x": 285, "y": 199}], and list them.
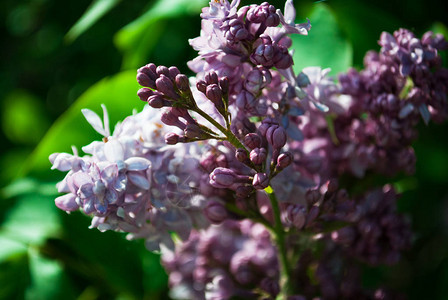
[
  {"x": 132, "y": 182},
  {"x": 260, "y": 183}
]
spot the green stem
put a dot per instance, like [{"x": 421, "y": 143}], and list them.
[
  {"x": 230, "y": 136},
  {"x": 279, "y": 233}
]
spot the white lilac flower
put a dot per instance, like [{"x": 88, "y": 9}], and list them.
[{"x": 132, "y": 181}]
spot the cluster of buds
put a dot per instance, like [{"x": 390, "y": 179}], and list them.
[{"x": 254, "y": 119}]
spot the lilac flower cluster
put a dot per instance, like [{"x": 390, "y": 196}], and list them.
[
  {"x": 261, "y": 205},
  {"x": 131, "y": 182},
  {"x": 224, "y": 261},
  {"x": 374, "y": 112}
]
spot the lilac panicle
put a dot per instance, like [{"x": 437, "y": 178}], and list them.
[
  {"x": 233, "y": 259},
  {"x": 129, "y": 182}
]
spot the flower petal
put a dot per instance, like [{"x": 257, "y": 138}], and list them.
[
  {"x": 66, "y": 202},
  {"x": 139, "y": 180},
  {"x": 137, "y": 163},
  {"x": 94, "y": 120},
  {"x": 113, "y": 150}
]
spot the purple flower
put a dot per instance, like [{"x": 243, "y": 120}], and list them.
[{"x": 288, "y": 20}]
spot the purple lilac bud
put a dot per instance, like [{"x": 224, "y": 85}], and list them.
[
  {"x": 171, "y": 119},
  {"x": 201, "y": 85},
  {"x": 246, "y": 101},
  {"x": 284, "y": 160},
  {"x": 193, "y": 131},
  {"x": 264, "y": 13},
  {"x": 182, "y": 82},
  {"x": 162, "y": 70},
  {"x": 266, "y": 124},
  {"x": 294, "y": 216},
  {"x": 144, "y": 94},
  {"x": 224, "y": 84},
  {"x": 261, "y": 181},
  {"x": 146, "y": 76},
  {"x": 157, "y": 101},
  {"x": 258, "y": 155},
  {"x": 225, "y": 178},
  {"x": 254, "y": 81},
  {"x": 214, "y": 93},
  {"x": 241, "y": 154},
  {"x": 282, "y": 59},
  {"x": 211, "y": 78},
  {"x": 215, "y": 211},
  {"x": 252, "y": 140},
  {"x": 264, "y": 53},
  {"x": 235, "y": 31},
  {"x": 173, "y": 72},
  {"x": 165, "y": 86},
  {"x": 172, "y": 139},
  {"x": 276, "y": 136}
]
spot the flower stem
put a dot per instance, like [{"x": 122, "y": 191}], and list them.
[
  {"x": 230, "y": 136},
  {"x": 279, "y": 233}
]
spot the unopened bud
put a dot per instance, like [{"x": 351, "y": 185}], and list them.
[
  {"x": 254, "y": 81},
  {"x": 144, "y": 94},
  {"x": 182, "y": 82},
  {"x": 223, "y": 177},
  {"x": 193, "y": 131},
  {"x": 258, "y": 155},
  {"x": 162, "y": 70},
  {"x": 171, "y": 138},
  {"x": 201, "y": 85},
  {"x": 265, "y": 124},
  {"x": 144, "y": 80},
  {"x": 213, "y": 92},
  {"x": 165, "y": 86},
  {"x": 211, "y": 78},
  {"x": 173, "y": 72},
  {"x": 156, "y": 101},
  {"x": 224, "y": 84},
  {"x": 261, "y": 181},
  {"x": 284, "y": 160},
  {"x": 252, "y": 140},
  {"x": 312, "y": 196},
  {"x": 215, "y": 211},
  {"x": 171, "y": 119},
  {"x": 241, "y": 154},
  {"x": 276, "y": 136}
]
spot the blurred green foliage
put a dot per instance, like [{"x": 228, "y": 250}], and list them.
[{"x": 60, "y": 56}]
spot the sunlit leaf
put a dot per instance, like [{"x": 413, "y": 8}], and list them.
[
  {"x": 48, "y": 280},
  {"x": 118, "y": 93},
  {"x": 23, "y": 119},
  {"x": 354, "y": 17},
  {"x": 96, "y": 10},
  {"x": 325, "y": 45},
  {"x": 32, "y": 220},
  {"x": 137, "y": 39}
]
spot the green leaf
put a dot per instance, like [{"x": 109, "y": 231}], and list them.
[
  {"x": 23, "y": 119},
  {"x": 32, "y": 220},
  {"x": 137, "y": 39},
  {"x": 96, "y": 10},
  {"x": 48, "y": 280},
  {"x": 14, "y": 276},
  {"x": 118, "y": 93},
  {"x": 325, "y": 46},
  {"x": 355, "y": 19}
]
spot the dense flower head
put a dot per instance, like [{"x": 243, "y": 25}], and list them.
[
  {"x": 225, "y": 261},
  {"x": 250, "y": 163},
  {"x": 131, "y": 182}
]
